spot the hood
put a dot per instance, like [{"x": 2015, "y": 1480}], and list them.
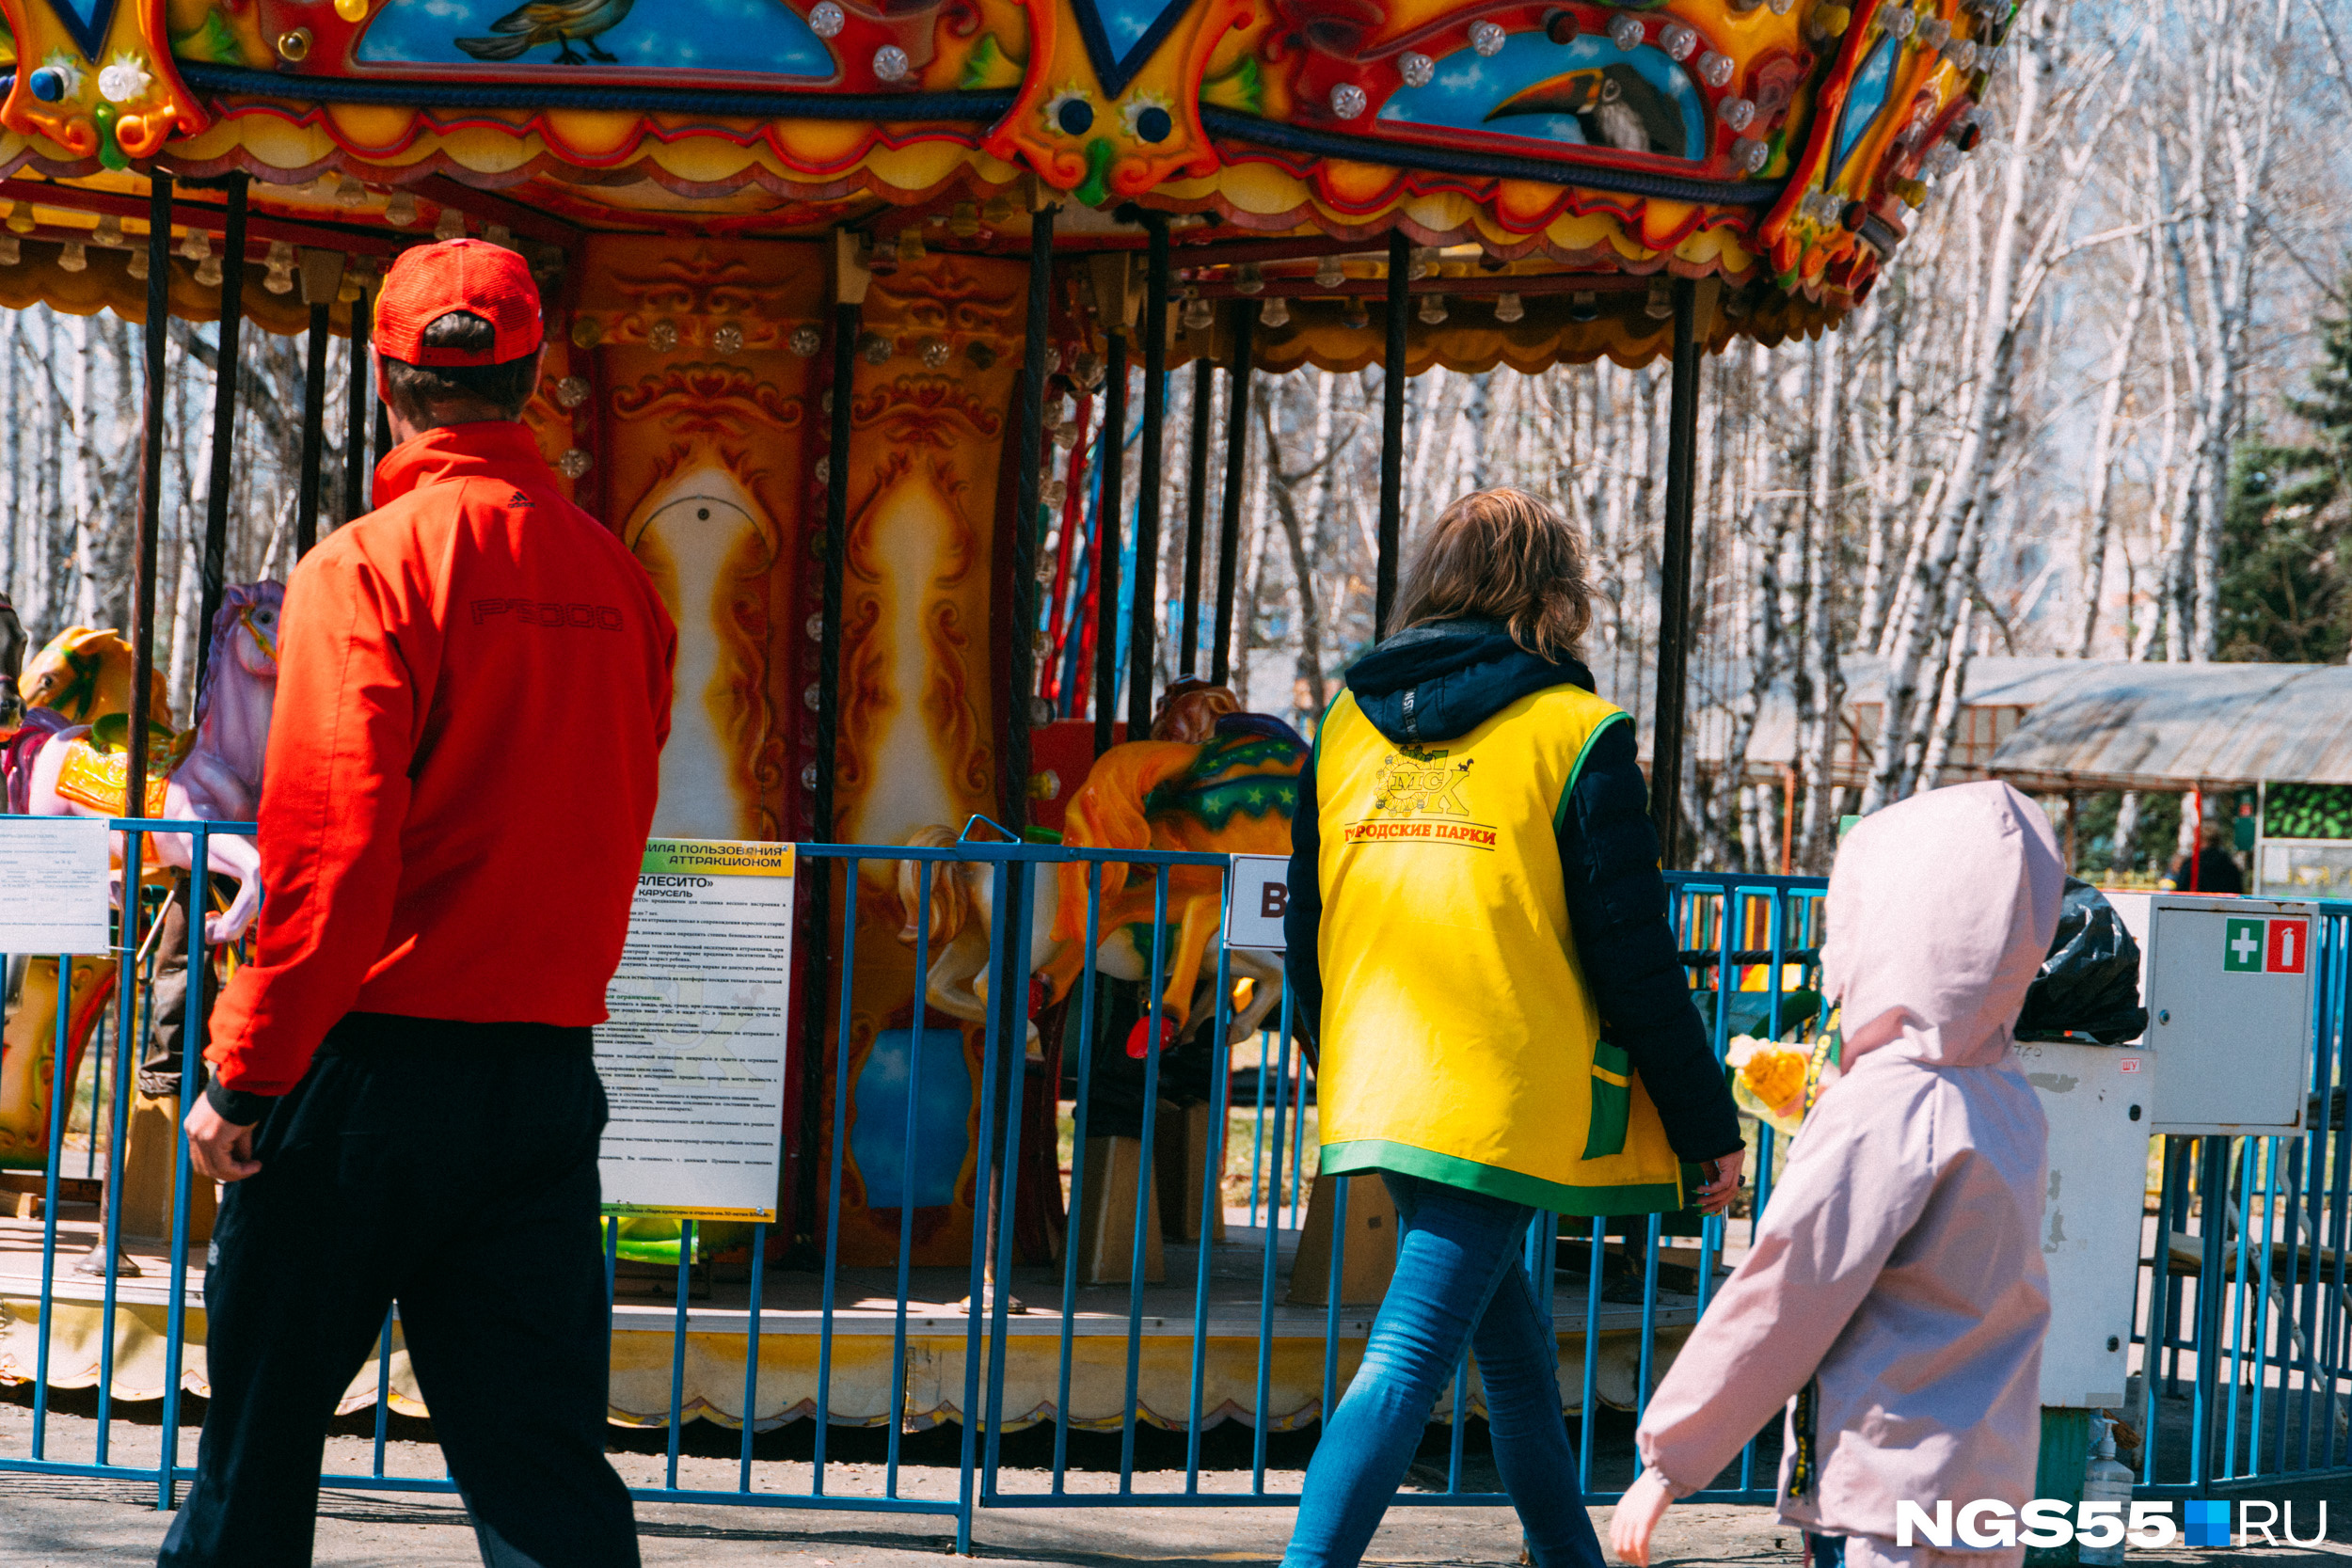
[
  {"x": 1941, "y": 910},
  {"x": 1437, "y": 681}
]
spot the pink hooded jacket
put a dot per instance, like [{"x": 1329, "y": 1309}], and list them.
[{"x": 1897, "y": 1261}]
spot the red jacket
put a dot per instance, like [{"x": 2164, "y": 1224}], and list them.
[{"x": 473, "y": 690}]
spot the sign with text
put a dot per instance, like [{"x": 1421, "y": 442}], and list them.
[
  {"x": 1257, "y": 894},
  {"x": 693, "y": 1055},
  {"x": 52, "y": 885}
]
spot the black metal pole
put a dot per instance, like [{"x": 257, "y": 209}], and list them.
[
  {"x": 1673, "y": 608},
  {"x": 151, "y": 512},
  {"x": 313, "y": 434},
  {"x": 817, "y": 952},
  {"x": 1236, "y": 463},
  {"x": 845, "y": 335},
  {"x": 213, "y": 569},
  {"x": 1196, "y": 513},
  {"x": 1020, "y": 638},
  {"x": 1113, "y": 460},
  {"x": 362, "y": 398},
  {"x": 1391, "y": 434},
  {"x": 1146, "y": 618}
]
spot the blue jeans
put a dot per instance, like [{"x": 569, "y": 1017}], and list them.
[{"x": 1460, "y": 1284}]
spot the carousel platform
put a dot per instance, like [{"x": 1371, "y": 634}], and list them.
[{"x": 716, "y": 1321}]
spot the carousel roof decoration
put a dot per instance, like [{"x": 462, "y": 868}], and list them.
[{"x": 1550, "y": 161}]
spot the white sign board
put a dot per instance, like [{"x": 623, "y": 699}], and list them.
[
  {"x": 2229, "y": 998},
  {"x": 693, "y": 1055},
  {"x": 1256, "y": 895},
  {"x": 2097, "y": 1099},
  {"x": 52, "y": 885}
]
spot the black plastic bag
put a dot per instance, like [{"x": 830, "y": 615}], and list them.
[{"x": 2088, "y": 988}]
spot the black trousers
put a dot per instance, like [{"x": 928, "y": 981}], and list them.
[{"x": 452, "y": 1168}]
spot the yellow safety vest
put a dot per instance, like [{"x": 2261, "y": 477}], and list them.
[{"x": 1458, "y": 1040}]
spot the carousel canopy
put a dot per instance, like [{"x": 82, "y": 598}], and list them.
[{"x": 1553, "y": 166}]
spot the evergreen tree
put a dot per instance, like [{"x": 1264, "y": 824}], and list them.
[{"x": 2287, "y": 553}]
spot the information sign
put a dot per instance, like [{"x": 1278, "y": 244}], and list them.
[
  {"x": 693, "y": 1055},
  {"x": 1256, "y": 895},
  {"x": 52, "y": 885}
]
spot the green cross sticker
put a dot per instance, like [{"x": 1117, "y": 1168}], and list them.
[{"x": 2242, "y": 947}]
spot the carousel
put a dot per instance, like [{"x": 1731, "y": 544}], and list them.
[{"x": 853, "y": 307}]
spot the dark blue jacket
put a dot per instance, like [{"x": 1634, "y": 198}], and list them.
[{"x": 1435, "y": 682}]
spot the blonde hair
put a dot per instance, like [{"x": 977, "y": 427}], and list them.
[{"x": 1502, "y": 555}]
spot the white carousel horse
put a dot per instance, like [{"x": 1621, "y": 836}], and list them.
[{"x": 219, "y": 778}]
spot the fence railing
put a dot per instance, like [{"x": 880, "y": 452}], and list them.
[{"x": 2244, "y": 1298}]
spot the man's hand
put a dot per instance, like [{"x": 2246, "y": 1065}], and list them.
[
  {"x": 1715, "y": 1198},
  {"x": 218, "y": 1147},
  {"x": 1637, "y": 1512}
]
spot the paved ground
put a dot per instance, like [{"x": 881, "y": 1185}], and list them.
[{"x": 45, "y": 1520}]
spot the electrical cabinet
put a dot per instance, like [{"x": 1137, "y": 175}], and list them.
[{"x": 2228, "y": 987}]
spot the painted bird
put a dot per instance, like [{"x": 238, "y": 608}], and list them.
[{"x": 561, "y": 22}]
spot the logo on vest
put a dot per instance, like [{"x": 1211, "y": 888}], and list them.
[{"x": 1419, "y": 795}]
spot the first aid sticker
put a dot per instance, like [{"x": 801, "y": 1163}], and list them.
[{"x": 2252, "y": 946}]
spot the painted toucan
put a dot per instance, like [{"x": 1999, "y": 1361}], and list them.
[
  {"x": 561, "y": 22},
  {"x": 1580, "y": 94}
]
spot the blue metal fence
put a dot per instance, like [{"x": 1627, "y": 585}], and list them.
[
  {"x": 1222, "y": 1335},
  {"x": 2242, "y": 1290}
]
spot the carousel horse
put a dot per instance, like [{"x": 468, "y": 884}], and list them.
[
  {"x": 83, "y": 676},
  {"x": 81, "y": 685},
  {"x": 963, "y": 911},
  {"x": 1212, "y": 779},
  {"x": 11, "y": 666},
  {"x": 212, "y": 772}
]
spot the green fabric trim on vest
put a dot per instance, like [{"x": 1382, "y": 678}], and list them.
[
  {"x": 1613, "y": 1101},
  {"x": 1560, "y": 812},
  {"x": 1314, "y": 748},
  {"x": 1381, "y": 1154}
]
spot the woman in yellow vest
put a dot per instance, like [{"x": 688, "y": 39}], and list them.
[{"x": 1478, "y": 936}]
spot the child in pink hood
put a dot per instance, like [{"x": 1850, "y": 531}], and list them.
[{"x": 1895, "y": 1297}]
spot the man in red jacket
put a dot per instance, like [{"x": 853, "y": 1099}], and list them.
[{"x": 474, "y": 690}]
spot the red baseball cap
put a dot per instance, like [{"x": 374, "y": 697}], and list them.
[{"x": 430, "y": 282}]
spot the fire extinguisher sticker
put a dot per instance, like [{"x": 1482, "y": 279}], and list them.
[{"x": 2288, "y": 940}]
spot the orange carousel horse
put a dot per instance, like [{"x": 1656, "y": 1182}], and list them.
[{"x": 1212, "y": 779}]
